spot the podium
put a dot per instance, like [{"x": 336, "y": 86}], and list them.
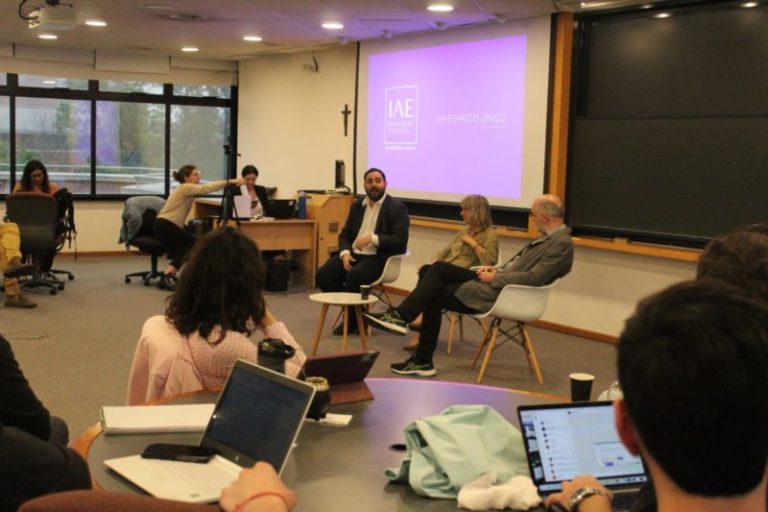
[{"x": 330, "y": 212}]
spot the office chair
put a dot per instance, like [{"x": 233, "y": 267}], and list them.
[
  {"x": 36, "y": 215},
  {"x": 144, "y": 238},
  {"x": 519, "y": 304},
  {"x": 65, "y": 228}
]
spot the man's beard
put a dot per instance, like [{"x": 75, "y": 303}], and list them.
[{"x": 379, "y": 192}]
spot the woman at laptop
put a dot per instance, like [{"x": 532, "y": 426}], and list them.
[
  {"x": 257, "y": 193},
  {"x": 169, "y": 225},
  {"x": 218, "y": 304},
  {"x": 474, "y": 245},
  {"x": 259, "y": 200}
]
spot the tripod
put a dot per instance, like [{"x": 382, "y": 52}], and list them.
[{"x": 228, "y": 208}]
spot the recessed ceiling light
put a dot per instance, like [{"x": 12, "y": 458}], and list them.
[
  {"x": 332, "y": 25},
  {"x": 440, "y": 8},
  {"x": 49, "y": 82},
  {"x": 749, "y": 4},
  {"x": 96, "y": 23},
  {"x": 190, "y": 49},
  {"x": 252, "y": 39},
  {"x": 646, "y": 6},
  {"x": 662, "y": 15},
  {"x": 48, "y": 36}
]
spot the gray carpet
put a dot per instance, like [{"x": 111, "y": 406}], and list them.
[{"x": 76, "y": 347}]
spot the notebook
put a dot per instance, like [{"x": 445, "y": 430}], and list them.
[
  {"x": 566, "y": 440},
  {"x": 280, "y": 209},
  {"x": 257, "y": 417},
  {"x": 345, "y": 373}
]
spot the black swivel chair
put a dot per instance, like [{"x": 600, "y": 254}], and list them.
[
  {"x": 145, "y": 241},
  {"x": 36, "y": 215},
  {"x": 65, "y": 228}
]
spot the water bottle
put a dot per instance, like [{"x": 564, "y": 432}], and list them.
[{"x": 301, "y": 211}]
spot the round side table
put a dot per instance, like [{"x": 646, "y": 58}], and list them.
[{"x": 342, "y": 299}]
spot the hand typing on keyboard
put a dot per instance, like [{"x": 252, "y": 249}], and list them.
[
  {"x": 583, "y": 493},
  {"x": 258, "y": 489}
]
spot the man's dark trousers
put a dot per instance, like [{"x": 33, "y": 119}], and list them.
[
  {"x": 332, "y": 277},
  {"x": 435, "y": 292}
]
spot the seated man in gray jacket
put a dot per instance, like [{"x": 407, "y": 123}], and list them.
[{"x": 447, "y": 286}]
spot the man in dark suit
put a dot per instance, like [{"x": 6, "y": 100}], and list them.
[
  {"x": 376, "y": 228},
  {"x": 447, "y": 286}
]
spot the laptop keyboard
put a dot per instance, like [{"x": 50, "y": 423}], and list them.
[
  {"x": 208, "y": 479},
  {"x": 623, "y": 500}
]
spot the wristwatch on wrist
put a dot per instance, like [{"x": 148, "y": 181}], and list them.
[{"x": 585, "y": 492}]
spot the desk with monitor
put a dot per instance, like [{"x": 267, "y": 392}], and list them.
[
  {"x": 338, "y": 468},
  {"x": 295, "y": 235}
]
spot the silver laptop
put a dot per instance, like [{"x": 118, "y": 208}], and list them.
[
  {"x": 566, "y": 440},
  {"x": 257, "y": 418}
]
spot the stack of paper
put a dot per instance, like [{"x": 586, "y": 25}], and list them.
[{"x": 140, "y": 419}]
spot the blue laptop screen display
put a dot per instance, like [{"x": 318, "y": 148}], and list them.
[
  {"x": 569, "y": 441},
  {"x": 258, "y": 417}
]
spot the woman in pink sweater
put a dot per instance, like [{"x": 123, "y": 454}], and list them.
[{"x": 218, "y": 305}]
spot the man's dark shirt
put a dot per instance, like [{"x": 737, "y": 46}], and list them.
[
  {"x": 30, "y": 466},
  {"x": 19, "y": 407}
]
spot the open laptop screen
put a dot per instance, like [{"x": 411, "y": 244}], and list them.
[
  {"x": 258, "y": 416},
  {"x": 566, "y": 440}
]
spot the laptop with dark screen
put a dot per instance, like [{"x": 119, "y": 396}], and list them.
[{"x": 280, "y": 209}]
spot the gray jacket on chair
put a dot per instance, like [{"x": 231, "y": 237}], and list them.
[{"x": 539, "y": 263}]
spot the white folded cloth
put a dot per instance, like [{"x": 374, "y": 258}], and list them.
[{"x": 485, "y": 494}]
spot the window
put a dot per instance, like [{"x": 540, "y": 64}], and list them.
[
  {"x": 131, "y": 86},
  {"x": 130, "y": 148},
  {"x": 5, "y": 144},
  {"x": 111, "y": 138},
  {"x": 58, "y": 133},
  {"x": 48, "y": 82},
  {"x": 202, "y": 91},
  {"x": 198, "y": 136}
]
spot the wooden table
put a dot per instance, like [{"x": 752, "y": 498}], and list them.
[
  {"x": 295, "y": 235},
  {"x": 338, "y": 468}
]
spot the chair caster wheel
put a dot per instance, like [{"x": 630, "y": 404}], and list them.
[
  {"x": 146, "y": 283},
  {"x": 61, "y": 286},
  {"x": 53, "y": 291},
  {"x": 71, "y": 277},
  {"x": 127, "y": 280}
]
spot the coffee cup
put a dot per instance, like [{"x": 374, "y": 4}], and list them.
[
  {"x": 365, "y": 291},
  {"x": 322, "y": 400},
  {"x": 581, "y": 386},
  {"x": 272, "y": 354}
]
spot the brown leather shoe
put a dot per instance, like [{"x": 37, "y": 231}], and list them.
[
  {"x": 17, "y": 269},
  {"x": 19, "y": 301}
]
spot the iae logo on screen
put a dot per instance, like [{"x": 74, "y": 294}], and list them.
[{"x": 402, "y": 114}]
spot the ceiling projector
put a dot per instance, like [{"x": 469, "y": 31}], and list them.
[{"x": 53, "y": 18}]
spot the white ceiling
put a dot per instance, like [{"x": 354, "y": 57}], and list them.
[{"x": 216, "y": 27}]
